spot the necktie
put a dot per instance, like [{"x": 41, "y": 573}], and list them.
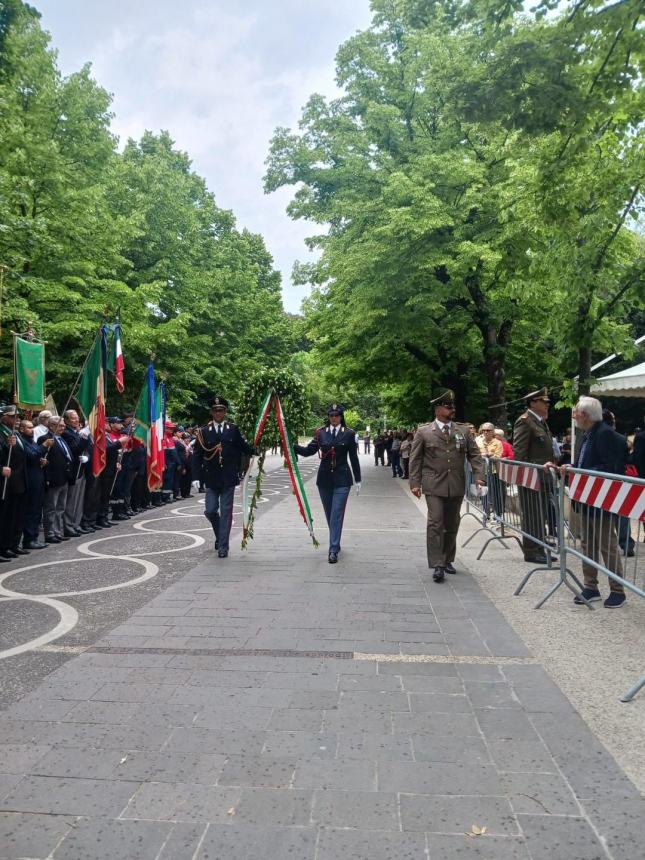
[
  {"x": 446, "y": 432},
  {"x": 64, "y": 447}
]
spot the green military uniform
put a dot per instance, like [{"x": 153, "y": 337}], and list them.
[
  {"x": 438, "y": 465},
  {"x": 533, "y": 443}
]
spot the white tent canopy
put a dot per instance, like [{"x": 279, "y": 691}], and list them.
[{"x": 625, "y": 383}]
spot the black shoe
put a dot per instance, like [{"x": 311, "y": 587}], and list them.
[
  {"x": 70, "y": 534},
  {"x": 34, "y": 544},
  {"x": 97, "y": 527},
  {"x": 118, "y": 517},
  {"x": 10, "y": 553},
  {"x": 449, "y": 568},
  {"x": 20, "y": 550},
  {"x": 333, "y": 557},
  {"x": 222, "y": 553},
  {"x": 438, "y": 574},
  {"x": 52, "y": 539},
  {"x": 64, "y": 537},
  {"x": 84, "y": 530},
  {"x": 535, "y": 558},
  {"x": 4, "y": 558},
  {"x": 103, "y": 523},
  {"x": 129, "y": 512}
]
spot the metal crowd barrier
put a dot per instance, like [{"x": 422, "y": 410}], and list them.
[
  {"x": 484, "y": 509},
  {"x": 590, "y": 523},
  {"x": 605, "y": 515}
]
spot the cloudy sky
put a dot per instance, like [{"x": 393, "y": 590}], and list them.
[{"x": 219, "y": 75}]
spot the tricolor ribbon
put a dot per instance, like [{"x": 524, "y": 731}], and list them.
[{"x": 250, "y": 500}]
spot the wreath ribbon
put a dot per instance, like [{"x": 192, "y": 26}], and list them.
[{"x": 250, "y": 502}]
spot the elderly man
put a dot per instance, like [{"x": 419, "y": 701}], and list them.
[
  {"x": 601, "y": 450},
  {"x": 57, "y": 474},
  {"x": 42, "y": 425},
  {"x": 437, "y": 469},
  {"x": 78, "y": 445}
]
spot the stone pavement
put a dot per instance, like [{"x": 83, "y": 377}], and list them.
[{"x": 273, "y": 705}]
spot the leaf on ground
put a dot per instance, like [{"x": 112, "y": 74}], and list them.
[
  {"x": 124, "y": 759},
  {"x": 476, "y": 830},
  {"x": 231, "y": 811}
]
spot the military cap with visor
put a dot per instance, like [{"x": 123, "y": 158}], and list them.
[
  {"x": 8, "y": 409},
  {"x": 218, "y": 401},
  {"x": 540, "y": 394},
  {"x": 445, "y": 397},
  {"x": 336, "y": 409}
]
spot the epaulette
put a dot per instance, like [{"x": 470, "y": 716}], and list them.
[
  {"x": 427, "y": 424},
  {"x": 523, "y": 417}
]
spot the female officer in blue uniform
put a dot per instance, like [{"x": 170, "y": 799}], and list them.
[{"x": 334, "y": 443}]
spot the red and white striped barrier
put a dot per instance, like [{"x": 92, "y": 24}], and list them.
[
  {"x": 610, "y": 494},
  {"x": 524, "y": 476}
]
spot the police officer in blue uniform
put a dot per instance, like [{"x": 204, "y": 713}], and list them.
[
  {"x": 217, "y": 455},
  {"x": 335, "y": 444}
]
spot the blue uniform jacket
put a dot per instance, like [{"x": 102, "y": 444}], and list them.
[
  {"x": 334, "y": 470},
  {"x": 35, "y": 472},
  {"x": 219, "y": 467}
]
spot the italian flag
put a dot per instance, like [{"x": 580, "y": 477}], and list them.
[
  {"x": 91, "y": 398},
  {"x": 149, "y": 417},
  {"x": 116, "y": 363}
]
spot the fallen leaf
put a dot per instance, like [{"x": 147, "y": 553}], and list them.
[
  {"x": 124, "y": 759},
  {"x": 475, "y": 830},
  {"x": 231, "y": 811}
]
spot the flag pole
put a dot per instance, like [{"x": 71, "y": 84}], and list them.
[{"x": 78, "y": 378}]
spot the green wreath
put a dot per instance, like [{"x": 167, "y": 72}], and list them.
[{"x": 295, "y": 404}]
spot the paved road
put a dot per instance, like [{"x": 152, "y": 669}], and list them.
[{"x": 273, "y": 705}]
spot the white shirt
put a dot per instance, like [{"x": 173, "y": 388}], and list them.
[
  {"x": 40, "y": 430},
  {"x": 535, "y": 414}
]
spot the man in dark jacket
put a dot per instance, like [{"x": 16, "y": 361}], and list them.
[
  {"x": 217, "y": 455},
  {"x": 35, "y": 456},
  {"x": 78, "y": 445},
  {"x": 601, "y": 450},
  {"x": 57, "y": 475},
  {"x": 13, "y": 488}
]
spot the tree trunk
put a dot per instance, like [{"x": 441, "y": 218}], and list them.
[{"x": 584, "y": 369}]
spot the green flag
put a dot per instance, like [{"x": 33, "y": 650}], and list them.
[{"x": 29, "y": 363}]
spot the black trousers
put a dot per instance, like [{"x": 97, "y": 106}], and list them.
[{"x": 12, "y": 516}]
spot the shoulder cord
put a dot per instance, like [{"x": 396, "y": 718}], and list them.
[{"x": 209, "y": 453}]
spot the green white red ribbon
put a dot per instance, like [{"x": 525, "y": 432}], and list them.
[
  {"x": 250, "y": 500},
  {"x": 294, "y": 472}
]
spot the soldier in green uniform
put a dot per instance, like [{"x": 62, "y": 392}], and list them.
[
  {"x": 438, "y": 470},
  {"x": 533, "y": 443}
]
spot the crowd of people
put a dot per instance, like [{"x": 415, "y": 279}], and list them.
[{"x": 49, "y": 492}]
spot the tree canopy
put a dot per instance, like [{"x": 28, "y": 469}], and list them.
[{"x": 475, "y": 190}]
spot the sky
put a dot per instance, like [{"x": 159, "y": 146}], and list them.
[{"x": 219, "y": 76}]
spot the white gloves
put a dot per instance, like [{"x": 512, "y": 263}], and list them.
[
  {"x": 195, "y": 485},
  {"x": 358, "y": 488},
  {"x": 83, "y": 458}
]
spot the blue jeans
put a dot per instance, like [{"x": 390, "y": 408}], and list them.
[
  {"x": 334, "y": 500},
  {"x": 219, "y": 510}
]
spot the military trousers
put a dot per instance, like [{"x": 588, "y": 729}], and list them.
[
  {"x": 218, "y": 509},
  {"x": 535, "y": 512},
  {"x": 334, "y": 502},
  {"x": 441, "y": 532}
]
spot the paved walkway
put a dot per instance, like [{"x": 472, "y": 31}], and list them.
[{"x": 271, "y": 705}]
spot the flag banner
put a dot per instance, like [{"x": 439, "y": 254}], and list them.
[
  {"x": 250, "y": 500},
  {"x": 155, "y": 451},
  {"x": 91, "y": 398},
  {"x": 29, "y": 369},
  {"x": 116, "y": 363},
  {"x": 142, "y": 411}
]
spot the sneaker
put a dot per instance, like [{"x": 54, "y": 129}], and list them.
[
  {"x": 589, "y": 594},
  {"x": 615, "y": 600}
]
